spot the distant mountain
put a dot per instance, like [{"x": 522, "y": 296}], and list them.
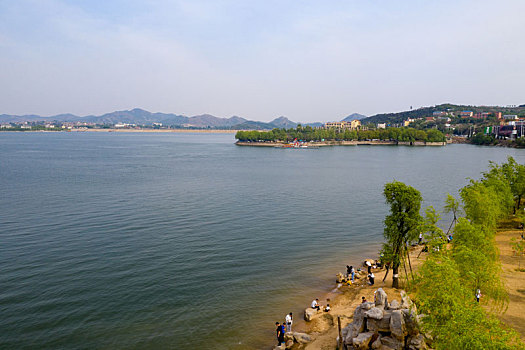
[
  {"x": 252, "y": 125},
  {"x": 283, "y": 122},
  {"x": 354, "y": 116}
]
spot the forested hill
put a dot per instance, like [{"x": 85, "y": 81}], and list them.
[{"x": 447, "y": 107}]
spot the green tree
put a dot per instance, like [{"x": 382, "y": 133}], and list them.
[{"x": 403, "y": 223}]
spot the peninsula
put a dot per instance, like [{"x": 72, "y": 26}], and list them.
[{"x": 341, "y": 134}]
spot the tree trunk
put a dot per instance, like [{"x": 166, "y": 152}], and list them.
[
  {"x": 519, "y": 202},
  {"x": 395, "y": 276},
  {"x": 386, "y": 274},
  {"x": 410, "y": 265}
]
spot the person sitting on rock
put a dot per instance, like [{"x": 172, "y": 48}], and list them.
[
  {"x": 327, "y": 308},
  {"x": 363, "y": 300},
  {"x": 315, "y": 304}
]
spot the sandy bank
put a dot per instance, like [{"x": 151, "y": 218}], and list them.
[
  {"x": 514, "y": 280},
  {"x": 345, "y": 299}
]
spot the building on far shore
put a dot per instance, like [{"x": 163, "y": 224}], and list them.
[
  {"x": 466, "y": 114},
  {"x": 354, "y": 124}
]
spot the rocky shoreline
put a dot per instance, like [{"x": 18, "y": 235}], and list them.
[{"x": 320, "y": 329}]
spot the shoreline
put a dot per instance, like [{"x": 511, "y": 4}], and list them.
[
  {"x": 341, "y": 143},
  {"x": 343, "y": 301}
]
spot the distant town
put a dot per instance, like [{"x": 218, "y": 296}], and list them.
[{"x": 484, "y": 125}]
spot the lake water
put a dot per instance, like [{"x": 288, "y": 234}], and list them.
[{"x": 186, "y": 241}]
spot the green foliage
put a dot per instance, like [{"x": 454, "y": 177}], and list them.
[
  {"x": 447, "y": 282},
  {"x": 434, "y": 234},
  {"x": 482, "y": 139},
  {"x": 310, "y": 134},
  {"x": 403, "y": 223}
]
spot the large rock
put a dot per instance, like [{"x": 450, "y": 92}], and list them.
[
  {"x": 412, "y": 321},
  {"x": 310, "y": 313},
  {"x": 375, "y": 313},
  {"x": 406, "y": 303},
  {"x": 397, "y": 325},
  {"x": 301, "y": 338},
  {"x": 381, "y": 299},
  {"x": 392, "y": 343},
  {"x": 288, "y": 336},
  {"x": 394, "y": 305},
  {"x": 417, "y": 343},
  {"x": 289, "y": 344},
  {"x": 382, "y": 325},
  {"x": 377, "y": 343},
  {"x": 362, "y": 340}
]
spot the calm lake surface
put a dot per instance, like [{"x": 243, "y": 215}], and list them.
[{"x": 186, "y": 241}]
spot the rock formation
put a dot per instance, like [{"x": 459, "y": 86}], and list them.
[{"x": 384, "y": 326}]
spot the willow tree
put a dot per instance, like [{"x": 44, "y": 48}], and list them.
[{"x": 403, "y": 223}]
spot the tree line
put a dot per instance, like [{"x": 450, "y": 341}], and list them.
[
  {"x": 446, "y": 284},
  {"x": 307, "y": 134}
]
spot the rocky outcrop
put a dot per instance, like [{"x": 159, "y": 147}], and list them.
[
  {"x": 381, "y": 299},
  {"x": 379, "y": 325},
  {"x": 310, "y": 314},
  {"x": 362, "y": 340},
  {"x": 291, "y": 339}
]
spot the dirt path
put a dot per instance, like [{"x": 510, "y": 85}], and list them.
[
  {"x": 514, "y": 281},
  {"x": 344, "y": 303}
]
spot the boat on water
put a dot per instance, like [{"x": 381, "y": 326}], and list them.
[{"x": 297, "y": 146}]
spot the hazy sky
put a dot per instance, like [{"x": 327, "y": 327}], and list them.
[{"x": 307, "y": 60}]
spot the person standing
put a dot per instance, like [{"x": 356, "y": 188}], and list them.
[
  {"x": 420, "y": 239},
  {"x": 478, "y": 295},
  {"x": 289, "y": 321},
  {"x": 369, "y": 266},
  {"x": 279, "y": 333},
  {"x": 371, "y": 278},
  {"x": 348, "y": 271},
  {"x": 352, "y": 273}
]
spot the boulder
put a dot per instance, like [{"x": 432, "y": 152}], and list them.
[
  {"x": 381, "y": 299},
  {"x": 375, "y": 313},
  {"x": 412, "y": 321},
  {"x": 382, "y": 325},
  {"x": 397, "y": 325},
  {"x": 417, "y": 343},
  {"x": 392, "y": 343},
  {"x": 301, "y": 338},
  {"x": 394, "y": 305},
  {"x": 289, "y": 344},
  {"x": 362, "y": 340},
  {"x": 310, "y": 313},
  {"x": 406, "y": 303},
  {"x": 377, "y": 343},
  {"x": 288, "y": 336}
]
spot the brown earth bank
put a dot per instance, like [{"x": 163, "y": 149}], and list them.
[
  {"x": 514, "y": 279},
  {"x": 343, "y": 301}
]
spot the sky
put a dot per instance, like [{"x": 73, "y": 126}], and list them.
[{"x": 306, "y": 60}]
